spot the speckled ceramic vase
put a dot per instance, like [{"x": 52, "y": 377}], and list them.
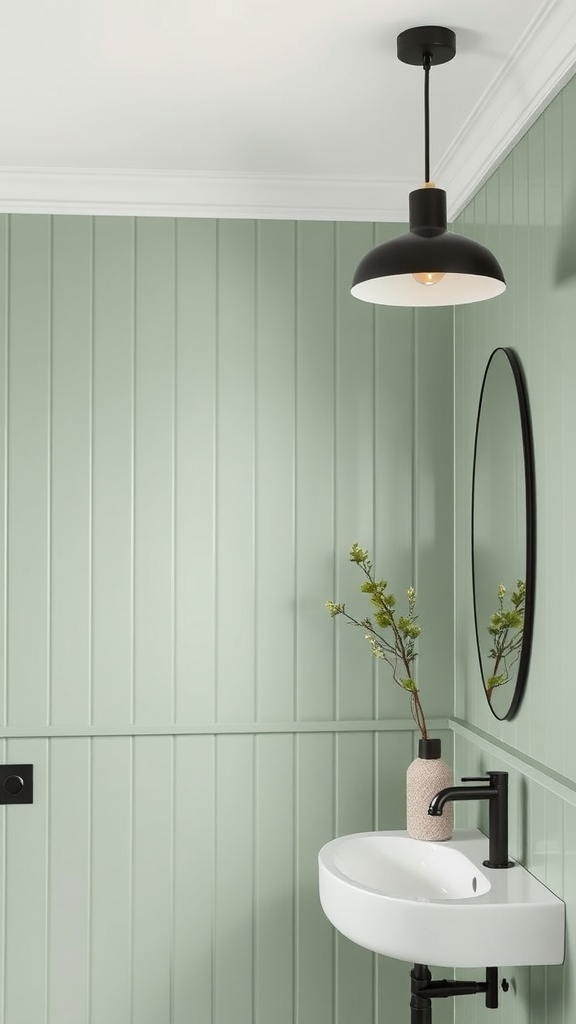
[{"x": 424, "y": 778}]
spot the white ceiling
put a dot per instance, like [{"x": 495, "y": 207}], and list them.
[{"x": 262, "y": 108}]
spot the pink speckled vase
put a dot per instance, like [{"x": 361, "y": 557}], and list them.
[{"x": 425, "y": 777}]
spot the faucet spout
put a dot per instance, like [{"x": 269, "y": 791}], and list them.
[
  {"x": 458, "y": 793},
  {"x": 495, "y": 790}
]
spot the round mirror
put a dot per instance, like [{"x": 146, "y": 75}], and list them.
[{"x": 503, "y": 533}]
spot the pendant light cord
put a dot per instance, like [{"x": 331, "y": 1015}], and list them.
[{"x": 426, "y": 63}]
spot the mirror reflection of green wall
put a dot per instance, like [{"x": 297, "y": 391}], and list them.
[{"x": 503, "y": 535}]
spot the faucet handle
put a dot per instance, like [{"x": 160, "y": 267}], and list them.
[{"x": 492, "y": 777}]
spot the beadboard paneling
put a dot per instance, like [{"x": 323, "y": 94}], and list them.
[
  {"x": 112, "y": 454},
  {"x": 196, "y": 422},
  {"x": 28, "y": 476},
  {"x": 185, "y": 479},
  {"x": 70, "y": 471},
  {"x": 158, "y": 876},
  {"x": 153, "y": 460},
  {"x": 526, "y": 213}
]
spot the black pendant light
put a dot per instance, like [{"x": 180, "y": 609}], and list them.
[{"x": 429, "y": 265}]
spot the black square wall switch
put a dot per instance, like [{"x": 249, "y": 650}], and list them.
[{"x": 16, "y": 783}]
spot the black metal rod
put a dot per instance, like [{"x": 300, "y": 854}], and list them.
[
  {"x": 443, "y": 989},
  {"x": 427, "y": 61}
]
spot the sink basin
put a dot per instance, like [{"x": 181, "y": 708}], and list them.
[
  {"x": 392, "y": 864},
  {"x": 436, "y": 903}
]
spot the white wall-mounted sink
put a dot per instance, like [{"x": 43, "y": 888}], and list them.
[{"x": 436, "y": 903}]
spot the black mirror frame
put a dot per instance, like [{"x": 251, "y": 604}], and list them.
[{"x": 530, "y": 491}]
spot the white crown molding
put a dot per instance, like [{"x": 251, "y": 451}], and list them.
[
  {"x": 182, "y": 194},
  {"x": 541, "y": 63}
]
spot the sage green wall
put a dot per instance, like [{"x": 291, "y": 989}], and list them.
[
  {"x": 527, "y": 214},
  {"x": 196, "y": 421}
]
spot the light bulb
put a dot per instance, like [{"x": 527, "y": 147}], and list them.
[{"x": 427, "y": 277}]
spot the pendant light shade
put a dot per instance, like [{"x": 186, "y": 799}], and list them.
[{"x": 429, "y": 265}]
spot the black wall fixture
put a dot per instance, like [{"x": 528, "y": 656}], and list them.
[
  {"x": 424, "y": 990},
  {"x": 16, "y": 783}
]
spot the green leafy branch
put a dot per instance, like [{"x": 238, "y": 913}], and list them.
[
  {"x": 397, "y": 648},
  {"x": 506, "y": 628}
]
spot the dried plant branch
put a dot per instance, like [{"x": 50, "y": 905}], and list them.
[{"x": 397, "y": 649}]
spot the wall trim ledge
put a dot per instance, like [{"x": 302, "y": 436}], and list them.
[
  {"x": 540, "y": 773},
  {"x": 218, "y": 728}
]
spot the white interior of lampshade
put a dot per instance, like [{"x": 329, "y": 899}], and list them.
[{"x": 452, "y": 290}]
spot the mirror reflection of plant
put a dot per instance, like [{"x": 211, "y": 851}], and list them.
[
  {"x": 506, "y": 627},
  {"x": 398, "y": 651}
]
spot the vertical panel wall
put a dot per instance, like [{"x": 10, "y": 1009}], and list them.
[
  {"x": 197, "y": 421},
  {"x": 527, "y": 213}
]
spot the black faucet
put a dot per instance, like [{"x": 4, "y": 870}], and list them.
[{"x": 495, "y": 790}]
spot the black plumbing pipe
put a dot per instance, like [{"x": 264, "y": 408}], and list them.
[
  {"x": 443, "y": 989},
  {"x": 424, "y": 990},
  {"x": 420, "y": 1006},
  {"x": 492, "y": 988}
]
